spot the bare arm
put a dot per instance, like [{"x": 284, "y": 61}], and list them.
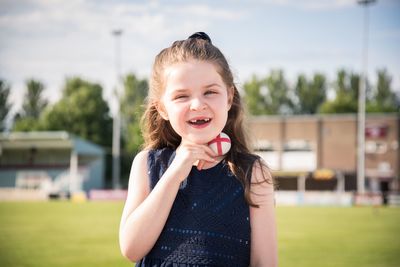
[
  {"x": 263, "y": 226},
  {"x": 145, "y": 212}
]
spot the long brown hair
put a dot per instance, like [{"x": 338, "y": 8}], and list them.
[{"x": 158, "y": 132}]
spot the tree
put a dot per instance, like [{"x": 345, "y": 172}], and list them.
[
  {"x": 132, "y": 108},
  {"x": 32, "y": 107},
  {"x": 270, "y": 95},
  {"x": 346, "y": 99},
  {"x": 81, "y": 111},
  {"x": 135, "y": 92},
  {"x": 310, "y": 94},
  {"x": 278, "y": 94},
  {"x": 254, "y": 99},
  {"x": 4, "y": 105},
  {"x": 383, "y": 98}
]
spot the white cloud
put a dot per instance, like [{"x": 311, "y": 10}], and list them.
[
  {"x": 206, "y": 11},
  {"x": 49, "y": 40},
  {"x": 312, "y": 4}
]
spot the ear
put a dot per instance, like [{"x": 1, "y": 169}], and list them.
[
  {"x": 231, "y": 93},
  {"x": 161, "y": 110}
]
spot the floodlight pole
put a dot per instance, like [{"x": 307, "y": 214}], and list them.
[
  {"x": 116, "y": 136},
  {"x": 361, "y": 103}
]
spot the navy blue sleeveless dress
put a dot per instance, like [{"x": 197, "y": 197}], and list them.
[{"x": 208, "y": 224}]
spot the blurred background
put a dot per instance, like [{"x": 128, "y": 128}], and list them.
[{"x": 321, "y": 84}]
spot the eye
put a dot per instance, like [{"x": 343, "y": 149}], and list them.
[
  {"x": 210, "y": 92},
  {"x": 177, "y": 97}
]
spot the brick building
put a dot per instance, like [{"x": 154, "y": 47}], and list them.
[{"x": 319, "y": 152}]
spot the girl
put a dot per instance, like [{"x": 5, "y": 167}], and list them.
[{"x": 186, "y": 205}]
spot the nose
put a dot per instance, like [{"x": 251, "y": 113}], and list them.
[{"x": 197, "y": 104}]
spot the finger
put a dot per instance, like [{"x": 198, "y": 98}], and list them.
[
  {"x": 204, "y": 156},
  {"x": 199, "y": 152},
  {"x": 209, "y": 151},
  {"x": 200, "y": 165}
]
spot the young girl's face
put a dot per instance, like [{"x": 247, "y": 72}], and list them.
[{"x": 196, "y": 101}]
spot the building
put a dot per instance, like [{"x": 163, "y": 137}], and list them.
[
  {"x": 319, "y": 152},
  {"x": 49, "y": 163}
]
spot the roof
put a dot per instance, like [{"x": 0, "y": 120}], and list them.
[
  {"x": 49, "y": 140},
  {"x": 315, "y": 117}
]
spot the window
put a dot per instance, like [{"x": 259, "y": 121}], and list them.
[{"x": 375, "y": 147}]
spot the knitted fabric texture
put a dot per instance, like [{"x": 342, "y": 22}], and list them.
[{"x": 208, "y": 224}]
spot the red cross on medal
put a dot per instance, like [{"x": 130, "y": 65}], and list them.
[{"x": 220, "y": 144}]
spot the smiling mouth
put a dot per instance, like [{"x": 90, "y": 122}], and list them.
[{"x": 199, "y": 121}]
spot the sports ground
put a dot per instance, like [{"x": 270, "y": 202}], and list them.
[{"x": 62, "y": 233}]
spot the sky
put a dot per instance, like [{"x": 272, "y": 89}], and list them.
[{"x": 50, "y": 40}]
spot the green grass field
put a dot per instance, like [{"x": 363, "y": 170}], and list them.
[{"x": 86, "y": 234}]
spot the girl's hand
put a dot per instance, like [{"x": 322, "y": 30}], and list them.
[{"x": 188, "y": 154}]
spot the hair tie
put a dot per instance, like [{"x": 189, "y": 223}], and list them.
[{"x": 200, "y": 35}]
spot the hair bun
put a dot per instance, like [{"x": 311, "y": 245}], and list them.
[{"x": 200, "y": 35}]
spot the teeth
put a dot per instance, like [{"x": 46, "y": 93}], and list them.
[
  {"x": 205, "y": 120},
  {"x": 200, "y": 121}
]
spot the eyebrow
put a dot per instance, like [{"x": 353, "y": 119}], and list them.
[
  {"x": 178, "y": 91},
  {"x": 212, "y": 85},
  {"x": 184, "y": 90}
]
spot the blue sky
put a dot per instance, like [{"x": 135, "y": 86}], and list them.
[{"x": 52, "y": 40}]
